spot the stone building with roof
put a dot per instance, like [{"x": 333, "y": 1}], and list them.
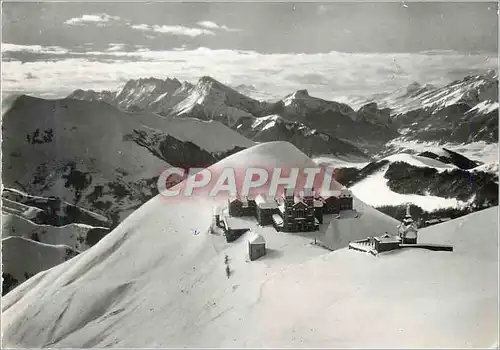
[
  {"x": 241, "y": 206},
  {"x": 340, "y": 200},
  {"x": 256, "y": 247},
  {"x": 297, "y": 212},
  {"x": 291, "y": 213}
]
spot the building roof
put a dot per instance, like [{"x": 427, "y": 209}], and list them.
[
  {"x": 344, "y": 192},
  {"x": 281, "y": 207},
  {"x": 256, "y": 239},
  {"x": 235, "y": 223},
  {"x": 318, "y": 203},
  {"x": 299, "y": 203},
  {"x": 265, "y": 203},
  {"x": 234, "y": 199},
  {"x": 243, "y": 200},
  {"x": 388, "y": 239},
  {"x": 333, "y": 194},
  {"x": 278, "y": 220}
]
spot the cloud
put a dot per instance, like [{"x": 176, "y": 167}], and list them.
[
  {"x": 174, "y": 30},
  {"x": 213, "y": 25},
  {"x": 333, "y": 75},
  {"x": 55, "y": 50},
  {"x": 98, "y": 19},
  {"x": 115, "y": 47}
]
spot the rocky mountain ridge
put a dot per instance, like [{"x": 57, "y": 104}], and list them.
[{"x": 467, "y": 107}]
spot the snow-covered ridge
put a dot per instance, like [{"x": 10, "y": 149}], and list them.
[
  {"x": 479, "y": 91},
  {"x": 374, "y": 191},
  {"x": 481, "y": 151},
  {"x": 269, "y": 121},
  {"x": 209, "y": 135},
  {"x": 420, "y": 161},
  {"x": 300, "y": 103},
  {"x": 214, "y": 98},
  {"x": 484, "y": 107}
]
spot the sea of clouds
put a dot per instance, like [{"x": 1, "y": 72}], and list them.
[{"x": 53, "y": 72}]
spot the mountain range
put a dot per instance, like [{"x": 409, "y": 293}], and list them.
[
  {"x": 462, "y": 111},
  {"x": 77, "y": 167}
]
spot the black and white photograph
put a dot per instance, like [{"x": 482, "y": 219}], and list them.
[{"x": 258, "y": 174}]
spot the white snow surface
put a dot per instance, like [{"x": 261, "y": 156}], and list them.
[
  {"x": 421, "y": 162},
  {"x": 73, "y": 235},
  {"x": 152, "y": 283},
  {"x": 338, "y": 162},
  {"x": 211, "y": 135},
  {"x": 488, "y": 168},
  {"x": 478, "y": 151},
  {"x": 416, "y": 96},
  {"x": 374, "y": 191},
  {"x": 484, "y": 107}
]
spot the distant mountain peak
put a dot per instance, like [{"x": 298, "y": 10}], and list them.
[{"x": 301, "y": 93}]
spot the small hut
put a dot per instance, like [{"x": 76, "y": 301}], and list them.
[
  {"x": 234, "y": 228},
  {"x": 256, "y": 247}
]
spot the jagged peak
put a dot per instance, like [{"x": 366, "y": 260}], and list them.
[
  {"x": 207, "y": 81},
  {"x": 210, "y": 80},
  {"x": 208, "y": 84},
  {"x": 301, "y": 93},
  {"x": 152, "y": 80}
]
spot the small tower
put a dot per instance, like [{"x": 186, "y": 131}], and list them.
[
  {"x": 308, "y": 196},
  {"x": 289, "y": 197},
  {"x": 407, "y": 229}
]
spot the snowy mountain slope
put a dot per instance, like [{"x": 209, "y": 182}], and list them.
[
  {"x": 475, "y": 90},
  {"x": 369, "y": 222},
  {"x": 210, "y": 99},
  {"x": 308, "y": 140},
  {"x": 462, "y": 111},
  {"x": 141, "y": 94},
  {"x": 210, "y": 135},
  {"x": 102, "y": 170},
  {"x": 480, "y": 152},
  {"x": 449, "y": 157},
  {"x": 177, "y": 252},
  {"x": 384, "y": 195},
  {"x": 79, "y": 237},
  {"x": 416, "y": 298},
  {"x": 48, "y": 211},
  {"x": 299, "y": 104},
  {"x": 15, "y": 208},
  {"x": 337, "y": 162},
  {"x": 425, "y": 182},
  {"x": 336, "y": 119},
  {"x": 17, "y": 267},
  {"x": 420, "y": 161}
]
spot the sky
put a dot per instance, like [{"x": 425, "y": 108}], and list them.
[{"x": 269, "y": 47}]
